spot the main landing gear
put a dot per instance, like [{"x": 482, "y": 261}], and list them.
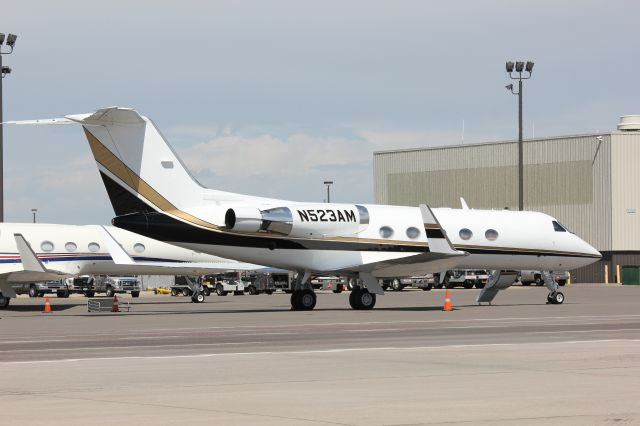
[
  {"x": 303, "y": 298},
  {"x": 4, "y": 301},
  {"x": 361, "y": 299}
]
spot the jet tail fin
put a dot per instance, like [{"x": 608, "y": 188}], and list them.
[{"x": 136, "y": 163}]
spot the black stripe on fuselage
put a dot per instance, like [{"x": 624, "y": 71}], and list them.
[{"x": 162, "y": 227}]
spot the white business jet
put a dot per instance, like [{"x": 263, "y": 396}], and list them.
[
  {"x": 153, "y": 194},
  {"x": 39, "y": 252}
]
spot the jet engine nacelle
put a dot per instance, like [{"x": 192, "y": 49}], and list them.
[{"x": 303, "y": 220}]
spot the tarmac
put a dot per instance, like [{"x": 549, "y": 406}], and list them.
[{"x": 249, "y": 360}]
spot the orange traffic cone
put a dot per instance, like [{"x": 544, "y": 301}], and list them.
[
  {"x": 47, "y": 305},
  {"x": 448, "y": 306},
  {"x": 115, "y": 307}
]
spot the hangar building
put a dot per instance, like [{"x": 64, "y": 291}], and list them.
[{"x": 590, "y": 183}]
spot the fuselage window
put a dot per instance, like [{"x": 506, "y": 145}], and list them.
[
  {"x": 413, "y": 232},
  {"x": 47, "y": 246},
  {"x": 71, "y": 246},
  {"x": 557, "y": 227},
  {"x": 491, "y": 234},
  {"x": 138, "y": 247},
  {"x": 465, "y": 234},
  {"x": 93, "y": 247},
  {"x": 386, "y": 232}
]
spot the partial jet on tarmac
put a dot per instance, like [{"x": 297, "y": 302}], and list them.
[
  {"x": 153, "y": 194},
  {"x": 39, "y": 252}
]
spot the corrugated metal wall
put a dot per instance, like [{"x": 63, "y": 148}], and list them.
[
  {"x": 625, "y": 199},
  {"x": 569, "y": 178}
]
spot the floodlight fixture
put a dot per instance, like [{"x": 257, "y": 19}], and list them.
[
  {"x": 328, "y": 183},
  {"x": 509, "y": 66},
  {"x": 11, "y": 40},
  {"x": 509, "y": 87},
  {"x": 529, "y": 67},
  {"x": 5, "y": 70},
  {"x": 1, "y": 38},
  {"x": 519, "y": 66}
]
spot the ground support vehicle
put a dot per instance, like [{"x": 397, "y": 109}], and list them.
[
  {"x": 83, "y": 284},
  {"x": 110, "y": 285},
  {"x": 39, "y": 289},
  {"x": 535, "y": 277},
  {"x": 424, "y": 282},
  {"x": 333, "y": 283},
  {"x": 185, "y": 285},
  {"x": 237, "y": 287},
  {"x": 283, "y": 282},
  {"x": 261, "y": 284},
  {"x": 463, "y": 278}
]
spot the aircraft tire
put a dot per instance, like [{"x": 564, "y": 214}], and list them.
[
  {"x": 366, "y": 300},
  {"x": 556, "y": 298},
  {"x": 197, "y": 298},
  {"x": 295, "y": 304},
  {"x": 396, "y": 285},
  {"x": 354, "y": 298},
  {"x": 307, "y": 300}
]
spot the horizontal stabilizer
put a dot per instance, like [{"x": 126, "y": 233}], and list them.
[{"x": 41, "y": 122}]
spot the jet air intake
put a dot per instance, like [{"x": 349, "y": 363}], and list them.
[{"x": 305, "y": 221}]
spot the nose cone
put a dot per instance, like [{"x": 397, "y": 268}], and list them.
[{"x": 590, "y": 251}]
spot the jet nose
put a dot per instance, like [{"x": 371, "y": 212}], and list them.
[{"x": 590, "y": 250}]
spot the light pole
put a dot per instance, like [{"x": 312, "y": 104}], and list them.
[
  {"x": 11, "y": 41},
  {"x": 519, "y": 68},
  {"x": 34, "y": 211},
  {"x": 328, "y": 183}
]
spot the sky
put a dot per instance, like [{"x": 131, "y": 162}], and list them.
[{"x": 272, "y": 98}]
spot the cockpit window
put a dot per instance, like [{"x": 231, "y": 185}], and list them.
[{"x": 557, "y": 227}]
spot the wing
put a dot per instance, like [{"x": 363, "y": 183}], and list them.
[
  {"x": 121, "y": 257},
  {"x": 32, "y": 270},
  {"x": 441, "y": 256}
]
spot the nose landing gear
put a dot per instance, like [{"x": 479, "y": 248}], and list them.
[{"x": 555, "y": 298}]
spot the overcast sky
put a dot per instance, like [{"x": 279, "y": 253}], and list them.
[{"x": 273, "y": 97}]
